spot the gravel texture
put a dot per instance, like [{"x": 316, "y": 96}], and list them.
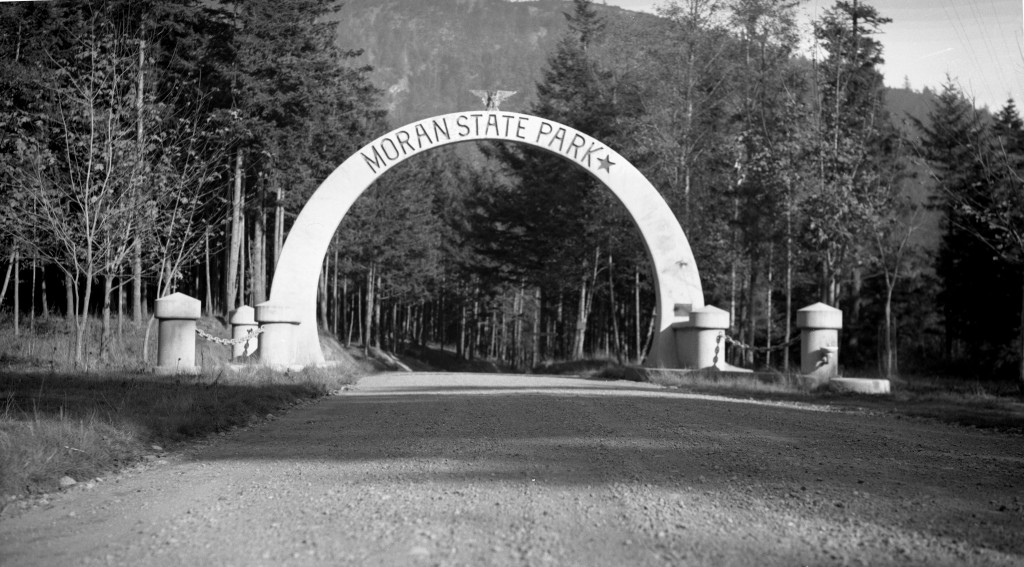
[{"x": 448, "y": 469}]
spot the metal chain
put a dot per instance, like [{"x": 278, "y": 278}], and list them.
[
  {"x": 252, "y": 334},
  {"x": 744, "y": 346}
]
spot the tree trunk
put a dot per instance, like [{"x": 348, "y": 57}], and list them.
[
  {"x": 768, "y": 309},
  {"x": 7, "y": 278},
  {"x": 748, "y": 356},
  {"x": 17, "y": 294},
  {"x": 636, "y": 314},
  {"x": 650, "y": 334},
  {"x": 789, "y": 279},
  {"x": 32, "y": 300},
  {"x": 208, "y": 304},
  {"x": 243, "y": 248},
  {"x": 258, "y": 258},
  {"x": 235, "y": 242},
  {"x": 322, "y": 296},
  {"x": 581, "y": 323},
  {"x": 137, "y": 310},
  {"x": 613, "y": 309},
  {"x": 393, "y": 343},
  {"x": 335, "y": 307},
  {"x": 535, "y": 354},
  {"x": 856, "y": 304},
  {"x": 70, "y": 292},
  {"x": 122, "y": 297},
  {"x": 359, "y": 313},
  {"x": 371, "y": 277},
  {"x": 108, "y": 290},
  {"x": 887, "y": 363},
  {"x": 376, "y": 336},
  {"x": 82, "y": 320},
  {"x": 278, "y": 225},
  {"x": 344, "y": 311},
  {"x": 460, "y": 349}
]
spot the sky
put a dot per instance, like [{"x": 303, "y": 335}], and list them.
[{"x": 978, "y": 43}]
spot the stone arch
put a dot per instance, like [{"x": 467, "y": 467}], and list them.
[{"x": 677, "y": 283}]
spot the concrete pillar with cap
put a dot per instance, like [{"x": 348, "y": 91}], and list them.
[
  {"x": 243, "y": 322},
  {"x": 819, "y": 326},
  {"x": 697, "y": 339},
  {"x": 176, "y": 334},
  {"x": 277, "y": 342}
]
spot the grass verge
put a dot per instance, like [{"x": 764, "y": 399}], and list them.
[
  {"x": 85, "y": 424},
  {"x": 992, "y": 405}
]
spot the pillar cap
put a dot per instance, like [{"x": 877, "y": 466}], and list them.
[
  {"x": 270, "y": 312},
  {"x": 709, "y": 317},
  {"x": 178, "y": 306},
  {"x": 819, "y": 316},
  {"x": 244, "y": 315}
]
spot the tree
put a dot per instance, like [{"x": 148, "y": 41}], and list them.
[
  {"x": 980, "y": 172},
  {"x": 298, "y": 109},
  {"x": 546, "y": 228},
  {"x": 771, "y": 135},
  {"x": 73, "y": 177},
  {"x": 957, "y": 143},
  {"x": 853, "y": 131}
]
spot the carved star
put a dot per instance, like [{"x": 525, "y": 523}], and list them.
[{"x": 606, "y": 164}]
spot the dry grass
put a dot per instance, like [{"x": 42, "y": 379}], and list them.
[
  {"x": 81, "y": 425},
  {"x": 57, "y": 419},
  {"x": 736, "y": 382},
  {"x": 52, "y": 345}
]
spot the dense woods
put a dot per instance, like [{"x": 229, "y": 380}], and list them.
[{"x": 153, "y": 147}]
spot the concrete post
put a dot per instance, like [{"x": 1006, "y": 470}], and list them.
[
  {"x": 697, "y": 338},
  {"x": 819, "y": 326},
  {"x": 280, "y": 324},
  {"x": 243, "y": 320},
  {"x": 176, "y": 334}
]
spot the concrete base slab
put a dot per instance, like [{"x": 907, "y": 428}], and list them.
[
  {"x": 726, "y": 367},
  {"x": 860, "y": 385},
  {"x": 172, "y": 370}
]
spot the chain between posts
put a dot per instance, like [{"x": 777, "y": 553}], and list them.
[
  {"x": 743, "y": 346},
  {"x": 252, "y": 334}
]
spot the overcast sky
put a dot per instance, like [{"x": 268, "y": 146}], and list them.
[{"x": 977, "y": 42}]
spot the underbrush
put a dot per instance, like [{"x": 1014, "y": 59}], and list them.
[
  {"x": 713, "y": 380},
  {"x": 58, "y": 418},
  {"x": 51, "y": 344},
  {"x": 84, "y": 424}
]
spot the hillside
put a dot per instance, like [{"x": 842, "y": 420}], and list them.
[{"x": 428, "y": 54}]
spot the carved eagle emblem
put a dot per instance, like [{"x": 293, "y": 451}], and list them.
[{"x": 493, "y": 99}]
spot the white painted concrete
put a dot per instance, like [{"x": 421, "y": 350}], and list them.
[
  {"x": 677, "y": 283},
  {"x": 176, "y": 334},
  {"x": 819, "y": 326},
  {"x": 697, "y": 338},
  {"x": 861, "y": 385},
  {"x": 243, "y": 321},
  {"x": 280, "y": 339}
]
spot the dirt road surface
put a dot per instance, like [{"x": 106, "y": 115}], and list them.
[{"x": 448, "y": 469}]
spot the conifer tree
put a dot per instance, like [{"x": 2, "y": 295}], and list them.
[{"x": 547, "y": 228}]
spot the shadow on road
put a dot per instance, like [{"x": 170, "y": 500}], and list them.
[{"x": 840, "y": 467}]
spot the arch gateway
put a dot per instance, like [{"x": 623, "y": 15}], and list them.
[{"x": 293, "y": 292}]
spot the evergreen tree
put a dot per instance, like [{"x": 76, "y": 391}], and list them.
[
  {"x": 970, "y": 264},
  {"x": 547, "y": 229},
  {"x": 854, "y": 131}
]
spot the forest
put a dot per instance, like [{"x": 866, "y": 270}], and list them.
[{"x": 152, "y": 147}]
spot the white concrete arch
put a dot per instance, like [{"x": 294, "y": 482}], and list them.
[{"x": 677, "y": 283}]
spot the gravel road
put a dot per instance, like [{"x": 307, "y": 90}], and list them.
[{"x": 449, "y": 469}]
